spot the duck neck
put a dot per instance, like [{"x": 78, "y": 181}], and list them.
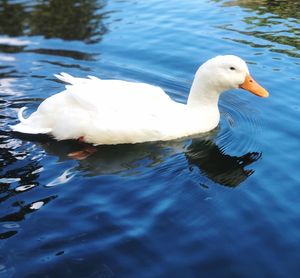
[{"x": 203, "y": 94}]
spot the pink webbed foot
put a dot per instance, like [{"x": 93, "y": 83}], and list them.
[
  {"x": 83, "y": 154},
  {"x": 81, "y": 139}
]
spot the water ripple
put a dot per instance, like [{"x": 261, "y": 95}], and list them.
[
  {"x": 240, "y": 121},
  {"x": 177, "y": 208}
]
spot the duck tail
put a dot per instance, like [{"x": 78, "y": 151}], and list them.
[
  {"x": 65, "y": 77},
  {"x": 20, "y": 115},
  {"x": 27, "y": 126},
  {"x": 69, "y": 79}
]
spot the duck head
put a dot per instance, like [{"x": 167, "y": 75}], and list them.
[{"x": 227, "y": 72}]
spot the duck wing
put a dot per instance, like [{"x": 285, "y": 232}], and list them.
[{"x": 95, "y": 94}]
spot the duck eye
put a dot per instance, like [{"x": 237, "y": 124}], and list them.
[{"x": 232, "y": 68}]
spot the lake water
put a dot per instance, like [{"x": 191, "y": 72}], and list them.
[{"x": 226, "y": 204}]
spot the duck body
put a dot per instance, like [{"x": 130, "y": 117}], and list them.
[{"x": 115, "y": 112}]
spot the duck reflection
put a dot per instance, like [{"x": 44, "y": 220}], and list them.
[
  {"x": 201, "y": 153},
  {"x": 220, "y": 167}
]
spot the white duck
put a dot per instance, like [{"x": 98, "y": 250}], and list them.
[{"x": 114, "y": 112}]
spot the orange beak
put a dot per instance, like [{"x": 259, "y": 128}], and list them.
[{"x": 252, "y": 86}]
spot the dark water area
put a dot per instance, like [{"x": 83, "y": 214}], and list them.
[{"x": 223, "y": 204}]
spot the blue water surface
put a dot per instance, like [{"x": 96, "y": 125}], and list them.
[{"x": 223, "y": 204}]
